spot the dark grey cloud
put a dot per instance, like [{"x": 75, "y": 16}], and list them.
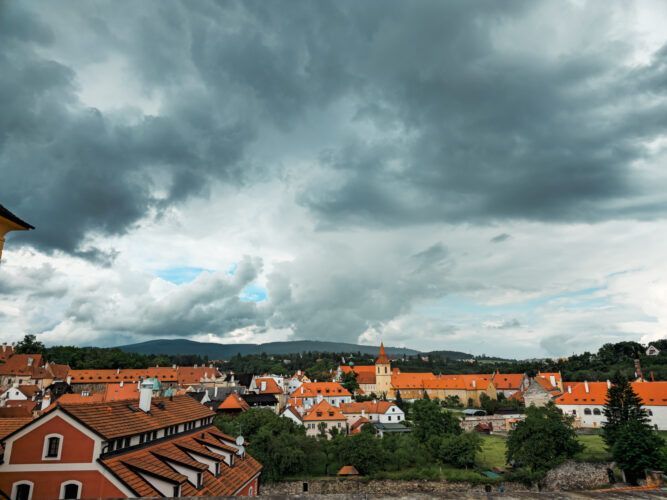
[{"x": 500, "y": 238}]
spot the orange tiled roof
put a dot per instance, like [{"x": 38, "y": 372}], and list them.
[
  {"x": 184, "y": 450},
  {"x": 271, "y": 386},
  {"x": 367, "y": 406},
  {"x": 75, "y": 399},
  {"x": 547, "y": 384},
  {"x": 293, "y": 411},
  {"x": 295, "y": 402},
  {"x": 190, "y": 375},
  {"x": 461, "y": 382},
  {"x": 9, "y": 425},
  {"x": 29, "y": 390},
  {"x": 517, "y": 396},
  {"x": 507, "y": 381},
  {"x": 547, "y": 376},
  {"x": 348, "y": 470},
  {"x": 21, "y": 403},
  {"x": 25, "y": 365},
  {"x": 6, "y": 351},
  {"x": 15, "y": 412},
  {"x": 58, "y": 371},
  {"x": 116, "y": 392},
  {"x": 233, "y": 402},
  {"x": 323, "y": 411},
  {"x": 313, "y": 389},
  {"x": 113, "y": 419},
  {"x": 382, "y": 358},
  {"x": 410, "y": 380},
  {"x": 651, "y": 393},
  {"x": 357, "y": 369},
  {"x": 366, "y": 378},
  {"x": 163, "y": 374},
  {"x": 356, "y": 426}
]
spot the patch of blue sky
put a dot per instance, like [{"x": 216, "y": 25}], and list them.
[
  {"x": 233, "y": 268},
  {"x": 253, "y": 293},
  {"x": 181, "y": 275}
]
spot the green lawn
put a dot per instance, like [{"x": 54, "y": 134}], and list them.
[
  {"x": 594, "y": 450},
  {"x": 493, "y": 452}
]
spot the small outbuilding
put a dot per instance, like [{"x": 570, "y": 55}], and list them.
[{"x": 348, "y": 470}]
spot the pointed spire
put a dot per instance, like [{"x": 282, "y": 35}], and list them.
[{"x": 382, "y": 358}]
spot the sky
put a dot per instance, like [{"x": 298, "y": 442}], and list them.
[{"x": 484, "y": 176}]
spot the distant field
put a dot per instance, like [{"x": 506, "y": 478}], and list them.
[{"x": 493, "y": 452}]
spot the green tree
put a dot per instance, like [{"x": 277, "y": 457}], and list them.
[
  {"x": 398, "y": 400},
  {"x": 460, "y": 450},
  {"x": 363, "y": 451},
  {"x": 349, "y": 381},
  {"x": 29, "y": 345},
  {"x": 431, "y": 420},
  {"x": 622, "y": 406},
  {"x": 543, "y": 440},
  {"x": 637, "y": 448}
]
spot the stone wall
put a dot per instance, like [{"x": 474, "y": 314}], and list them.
[{"x": 577, "y": 476}]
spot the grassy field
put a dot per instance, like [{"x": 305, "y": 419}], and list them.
[{"x": 493, "y": 452}]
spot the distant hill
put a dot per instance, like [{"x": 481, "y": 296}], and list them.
[
  {"x": 451, "y": 354},
  {"x": 225, "y": 351}
]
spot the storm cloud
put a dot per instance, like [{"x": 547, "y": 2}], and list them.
[{"x": 340, "y": 145}]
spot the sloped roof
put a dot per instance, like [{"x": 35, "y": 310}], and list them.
[
  {"x": 356, "y": 426},
  {"x": 29, "y": 390},
  {"x": 271, "y": 386},
  {"x": 29, "y": 405},
  {"x": 461, "y": 382},
  {"x": 366, "y": 378},
  {"x": 313, "y": 389},
  {"x": 9, "y": 425},
  {"x": 163, "y": 374},
  {"x": 77, "y": 398},
  {"x": 410, "y": 380},
  {"x": 6, "y": 351},
  {"x": 181, "y": 449},
  {"x": 24, "y": 365},
  {"x": 292, "y": 410},
  {"x": 16, "y": 412},
  {"x": 58, "y": 371},
  {"x": 190, "y": 375},
  {"x": 233, "y": 402},
  {"x": 651, "y": 393},
  {"x": 348, "y": 470},
  {"x": 13, "y": 218},
  {"x": 357, "y": 368},
  {"x": 116, "y": 392},
  {"x": 323, "y": 411},
  {"x": 381, "y": 407},
  {"x": 507, "y": 381},
  {"x": 113, "y": 419}
]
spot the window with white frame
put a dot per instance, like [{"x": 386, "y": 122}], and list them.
[
  {"x": 53, "y": 445},
  {"x": 22, "y": 490},
  {"x": 70, "y": 489}
]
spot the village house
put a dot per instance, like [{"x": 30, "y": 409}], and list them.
[
  {"x": 586, "y": 400},
  {"x": 468, "y": 388},
  {"x": 294, "y": 382},
  {"x": 150, "y": 447},
  {"x": 20, "y": 392},
  {"x": 6, "y": 352},
  {"x": 293, "y": 414},
  {"x": 539, "y": 392},
  {"x": 326, "y": 414},
  {"x": 232, "y": 405},
  {"x": 30, "y": 369},
  {"x": 410, "y": 385},
  {"x": 652, "y": 350},
  {"x": 375, "y": 411},
  {"x": 309, "y": 394},
  {"x": 269, "y": 385}
]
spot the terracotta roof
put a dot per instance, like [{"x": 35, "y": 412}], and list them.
[
  {"x": 410, "y": 380},
  {"x": 356, "y": 426},
  {"x": 113, "y": 419},
  {"x": 29, "y": 390},
  {"x": 508, "y": 381},
  {"x": 13, "y": 218},
  {"x": 368, "y": 407},
  {"x": 184, "y": 451},
  {"x": 465, "y": 382},
  {"x": 6, "y": 351},
  {"x": 293, "y": 411},
  {"x": 323, "y": 411},
  {"x": 109, "y": 376},
  {"x": 651, "y": 393},
  {"x": 15, "y": 412},
  {"x": 28, "y": 404},
  {"x": 366, "y": 378},
  {"x": 233, "y": 402},
  {"x": 547, "y": 385},
  {"x": 348, "y": 470},
  {"x": 58, "y": 371},
  {"x": 295, "y": 402},
  {"x": 25, "y": 365},
  {"x": 9, "y": 425},
  {"x": 312, "y": 389},
  {"x": 357, "y": 369},
  {"x": 116, "y": 392},
  {"x": 190, "y": 375},
  {"x": 517, "y": 396},
  {"x": 271, "y": 386},
  {"x": 382, "y": 358}
]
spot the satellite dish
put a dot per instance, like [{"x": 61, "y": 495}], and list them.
[
  {"x": 240, "y": 441},
  {"x": 241, "y": 451}
]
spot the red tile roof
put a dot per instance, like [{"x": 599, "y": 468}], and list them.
[
  {"x": 29, "y": 390},
  {"x": 368, "y": 407},
  {"x": 25, "y": 365},
  {"x": 77, "y": 398},
  {"x": 6, "y": 351},
  {"x": 190, "y": 375},
  {"x": 28, "y": 404},
  {"x": 184, "y": 450},
  {"x": 109, "y": 376},
  {"x": 366, "y": 378},
  {"x": 312, "y": 389},
  {"x": 357, "y": 369},
  {"x": 461, "y": 382},
  {"x": 651, "y": 393},
  {"x": 9, "y": 425},
  {"x": 270, "y": 388},
  {"x": 233, "y": 402},
  {"x": 323, "y": 411},
  {"x": 113, "y": 419},
  {"x": 116, "y": 392},
  {"x": 348, "y": 470},
  {"x": 356, "y": 426},
  {"x": 15, "y": 412},
  {"x": 410, "y": 380},
  {"x": 508, "y": 381}
]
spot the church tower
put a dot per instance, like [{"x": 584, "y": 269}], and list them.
[{"x": 383, "y": 374}]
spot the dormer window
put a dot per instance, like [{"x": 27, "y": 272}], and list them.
[{"x": 52, "y": 447}]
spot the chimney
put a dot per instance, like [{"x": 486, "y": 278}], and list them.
[
  {"x": 30, "y": 360},
  {"x": 215, "y": 392},
  {"x": 474, "y": 384},
  {"x": 586, "y": 386},
  {"x": 69, "y": 379},
  {"x": 552, "y": 379},
  {"x": 638, "y": 369},
  {"x": 4, "y": 346},
  {"x": 117, "y": 371},
  {"x": 46, "y": 401},
  {"x": 363, "y": 412},
  {"x": 301, "y": 389},
  {"x": 121, "y": 383},
  {"x": 298, "y": 371},
  {"x": 195, "y": 365},
  {"x": 569, "y": 389},
  {"x": 263, "y": 386},
  {"x": 608, "y": 384},
  {"x": 145, "y": 396}
]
